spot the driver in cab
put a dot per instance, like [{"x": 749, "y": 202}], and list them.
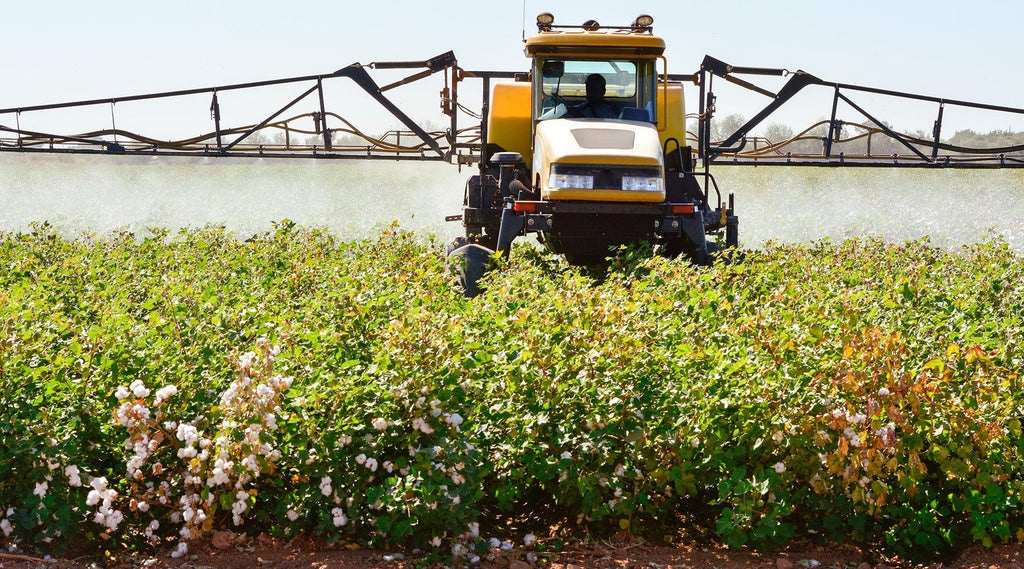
[{"x": 596, "y": 106}]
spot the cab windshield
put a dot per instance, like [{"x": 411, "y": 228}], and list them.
[{"x": 595, "y": 88}]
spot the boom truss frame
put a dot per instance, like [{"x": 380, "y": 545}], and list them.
[
  {"x": 920, "y": 153},
  {"x": 451, "y": 145}
]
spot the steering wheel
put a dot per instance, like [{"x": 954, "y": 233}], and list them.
[
  {"x": 570, "y": 110},
  {"x": 575, "y": 111}
]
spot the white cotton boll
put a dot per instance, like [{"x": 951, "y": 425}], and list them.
[
  {"x": 436, "y": 412},
  {"x": 474, "y": 529},
  {"x": 135, "y": 463},
  {"x": 122, "y": 393},
  {"x": 247, "y": 360},
  {"x": 883, "y": 392},
  {"x": 494, "y": 542},
  {"x": 250, "y": 463},
  {"x": 371, "y": 463},
  {"x": 6, "y": 527},
  {"x": 41, "y": 488},
  {"x": 114, "y": 519},
  {"x": 71, "y": 471},
  {"x": 139, "y": 389},
  {"x": 180, "y": 551},
  {"x": 435, "y": 541},
  {"x": 292, "y": 515},
  {"x": 164, "y": 392},
  {"x": 380, "y": 424},
  {"x": 93, "y": 498},
  {"x": 144, "y": 507},
  {"x": 361, "y": 459},
  {"x": 529, "y": 539},
  {"x": 418, "y": 424},
  {"x": 780, "y": 467},
  {"x": 339, "y": 517},
  {"x": 99, "y": 484},
  {"x": 454, "y": 419}
]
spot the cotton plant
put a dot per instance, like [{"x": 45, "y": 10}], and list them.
[
  {"x": 180, "y": 473},
  {"x": 38, "y": 518}
]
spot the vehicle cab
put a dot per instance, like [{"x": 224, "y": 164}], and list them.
[{"x": 595, "y": 132}]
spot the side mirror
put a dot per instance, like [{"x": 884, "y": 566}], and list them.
[{"x": 553, "y": 69}]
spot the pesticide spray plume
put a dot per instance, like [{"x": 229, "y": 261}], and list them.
[
  {"x": 101, "y": 194},
  {"x": 950, "y": 208}
]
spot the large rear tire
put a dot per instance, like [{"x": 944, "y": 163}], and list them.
[
  {"x": 702, "y": 255},
  {"x": 469, "y": 261}
]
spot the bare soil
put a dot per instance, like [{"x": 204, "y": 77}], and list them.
[{"x": 617, "y": 554}]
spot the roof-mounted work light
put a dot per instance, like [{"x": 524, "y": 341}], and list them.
[
  {"x": 643, "y": 22},
  {"x": 544, "y": 21}
]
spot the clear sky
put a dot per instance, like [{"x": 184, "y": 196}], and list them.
[{"x": 69, "y": 49}]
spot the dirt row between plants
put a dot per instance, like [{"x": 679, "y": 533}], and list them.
[{"x": 310, "y": 554}]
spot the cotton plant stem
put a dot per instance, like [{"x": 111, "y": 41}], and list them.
[{"x": 14, "y": 557}]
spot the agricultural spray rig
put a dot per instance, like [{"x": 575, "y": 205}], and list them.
[{"x": 587, "y": 150}]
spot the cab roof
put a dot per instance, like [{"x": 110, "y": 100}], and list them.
[{"x": 594, "y": 41}]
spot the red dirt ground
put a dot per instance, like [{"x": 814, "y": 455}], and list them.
[{"x": 624, "y": 554}]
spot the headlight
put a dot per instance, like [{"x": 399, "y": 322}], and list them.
[
  {"x": 605, "y": 177},
  {"x": 572, "y": 182},
  {"x": 641, "y": 184}
]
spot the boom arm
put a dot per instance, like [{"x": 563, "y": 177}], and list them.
[
  {"x": 239, "y": 141},
  {"x": 916, "y": 152}
]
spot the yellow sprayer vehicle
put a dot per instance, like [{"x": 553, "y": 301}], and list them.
[
  {"x": 588, "y": 150},
  {"x": 590, "y": 153}
]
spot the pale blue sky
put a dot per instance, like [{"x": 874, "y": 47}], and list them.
[{"x": 65, "y": 50}]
